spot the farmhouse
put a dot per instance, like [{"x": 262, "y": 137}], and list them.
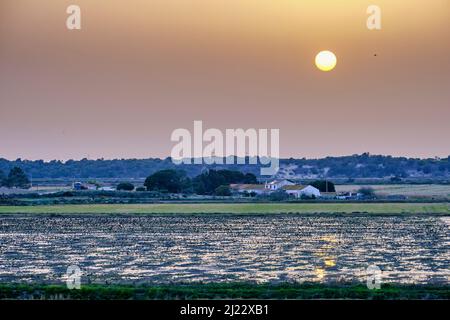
[
  {"x": 299, "y": 191},
  {"x": 280, "y": 184}
]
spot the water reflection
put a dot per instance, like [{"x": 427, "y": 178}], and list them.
[
  {"x": 326, "y": 254},
  {"x": 219, "y": 248}
]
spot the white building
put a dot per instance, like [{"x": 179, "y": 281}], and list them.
[
  {"x": 298, "y": 191},
  {"x": 281, "y": 184},
  {"x": 278, "y": 184}
]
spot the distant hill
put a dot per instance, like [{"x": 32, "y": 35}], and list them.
[{"x": 345, "y": 167}]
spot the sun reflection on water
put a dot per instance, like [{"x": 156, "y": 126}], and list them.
[{"x": 219, "y": 248}]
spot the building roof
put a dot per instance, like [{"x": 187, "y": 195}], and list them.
[{"x": 276, "y": 181}]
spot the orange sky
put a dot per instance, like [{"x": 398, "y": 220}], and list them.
[{"x": 139, "y": 69}]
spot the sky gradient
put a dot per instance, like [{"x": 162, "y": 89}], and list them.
[{"x": 140, "y": 69}]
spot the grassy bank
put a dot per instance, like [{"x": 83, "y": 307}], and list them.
[
  {"x": 241, "y": 208},
  {"x": 223, "y": 291}
]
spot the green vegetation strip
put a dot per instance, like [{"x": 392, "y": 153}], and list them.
[
  {"x": 223, "y": 291},
  {"x": 241, "y": 208}
]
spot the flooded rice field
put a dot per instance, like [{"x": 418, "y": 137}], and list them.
[{"x": 173, "y": 248}]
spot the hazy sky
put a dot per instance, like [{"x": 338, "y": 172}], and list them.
[{"x": 139, "y": 69}]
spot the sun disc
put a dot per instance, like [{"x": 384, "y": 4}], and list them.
[{"x": 326, "y": 60}]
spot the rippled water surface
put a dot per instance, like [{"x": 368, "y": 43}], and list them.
[{"x": 408, "y": 249}]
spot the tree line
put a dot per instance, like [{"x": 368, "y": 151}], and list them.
[
  {"x": 354, "y": 166},
  {"x": 15, "y": 179}
]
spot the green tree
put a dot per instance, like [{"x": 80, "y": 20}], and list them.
[
  {"x": 125, "y": 186},
  {"x": 324, "y": 185},
  {"x": 172, "y": 181},
  {"x": 250, "y": 178},
  {"x": 209, "y": 181},
  {"x": 2, "y": 178},
  {"x": 17, "y": 178},
  {"x": 223, "y": 190},
  {"x": 367, "y": 192}
]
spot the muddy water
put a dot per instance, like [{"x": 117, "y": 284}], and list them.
[{"x": 408, "y": 249}]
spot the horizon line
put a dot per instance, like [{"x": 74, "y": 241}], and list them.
[{"x": 231, "y": 156}]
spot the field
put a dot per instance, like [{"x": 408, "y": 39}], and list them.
[
  {"x": 221, "y": 251},
  {"x": 408, "y": 190},
  {"x": 241, "y": 208}
]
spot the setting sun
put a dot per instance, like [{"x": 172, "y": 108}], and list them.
[{"x": 326, "y": 60}]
